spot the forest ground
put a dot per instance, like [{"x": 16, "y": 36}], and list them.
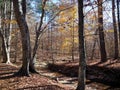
[
  {"x": 63, "y": 76},
  {"x": 100, "y": 75},
  {"x": 35, "y": 82}
]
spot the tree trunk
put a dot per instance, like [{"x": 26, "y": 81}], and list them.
[
  {"x": 25, "y": 36},
  {"x": 16, "y": 47},
  {"x": 6, "y": 30},
  {"x": 116, "y": 53},
  {"x": 9, "y": 31},
  {"x": 118, "y": 17},
  {"x": 38, "y": 33},
  {"x": 101, "y": 32},
  {"x": 72, "y": 34},
  {"x": 33, "y": 59},
  {"x": 4, "y": 50},
  {"x": 82, "y": 62},
  {"x": 94, "y": 45},
  {"x": 0, "y": 49}
]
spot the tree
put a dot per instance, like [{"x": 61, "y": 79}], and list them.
[
  {"x": 101, "y": 32},
  {"x": 116, "y": 54},
  {"x": 118, "y": 17},
  {"x": 28, "y": 57},
  {"x": 82, "y": 62},
  {"x": 25, "y": 36},
  {"x": 6, "y": 26},
  {"x": 39, "y": 31}
]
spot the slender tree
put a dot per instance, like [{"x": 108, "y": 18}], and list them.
[
  {"x": 116, "y": 54},
  {"x": 82, "y": 62},
  {"x": 28, "y": 64},
  {"x": 38, "y": 34},
  {"x": 101, "y": 32},
  {"x": 6, "y": 27},
  {"x": 118, "y": 17}
]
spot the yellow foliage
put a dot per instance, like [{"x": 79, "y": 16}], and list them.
[
  {"x": 61, "y": 29},
  {"x": 62, "y": 20},
  {"x": 13, "y": 21},
  {"x": 67, "y": 43},
  {"x": 7, "y": 21},
  {"x": 68, "y": 15},
  {"x": 67, "y": 18},
  {"x": 76, "y": 40},
  {"x": 111, "y": 30}
]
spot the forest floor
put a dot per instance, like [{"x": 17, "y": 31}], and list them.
[
  {"x": 34, "y": 82},
  {"x": 63, "y": 76},
  {"x": 100, "y": 75}
]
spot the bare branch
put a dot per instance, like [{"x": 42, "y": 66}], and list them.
[{"x": 42, "y": 16}]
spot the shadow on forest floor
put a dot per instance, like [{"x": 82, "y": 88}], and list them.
[
  {"x": 45, "y": 87},
  {"x": 8, "y": 81},
  {"x": 101, "y": 74},
  {"x": 7, "y": 71}
]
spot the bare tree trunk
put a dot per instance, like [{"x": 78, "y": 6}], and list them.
[
  {"x": 25, "y": 36},
  {"x": 9, "y": 32},
  {"x": 6, "y": 30},
  {"x": 33, "y": 59},
  {"x": 51, "y": 42},
  {"x": 118, "y": 17},
  {"x": 94, "y": 45},
  {"x": 16, "y": 47},
  {"x": 4, "y": 50},
  {"x": 0, "y": 54},
  {"x": 82, "y": 62},
  {"x": 3, "y": 32},
  {"x": 115, "y": 31},
  {"x": 0, "y": 49},
  {"x": 38, "y": 33},
  {"x": 93, "y": 49},
  {"x": 101, "y": 32},
  {"x": 73, "y": 42}
]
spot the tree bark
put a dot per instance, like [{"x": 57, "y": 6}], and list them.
[
  {"x": 25, "y": 36},
  {"x": 38, "y": 33},
  {"x": 116, "y": 51},
  {"x": 118, "y": 17},
  {"x": 6, "y": 30},
  {"x": 82, "y": 62},
  {"x": 101, "y": 32},
  {"x": 9, "y": 31}
]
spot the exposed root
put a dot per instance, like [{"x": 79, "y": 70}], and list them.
[
  {"x": 32, "y": 70},
  {"x": 22, "y": 72},
  {"x": 8, "y": 63}
]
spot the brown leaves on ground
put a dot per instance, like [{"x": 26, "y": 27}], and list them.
[
  {"x": 34, "y": 82},
  {"x": 107, "y": 73}
]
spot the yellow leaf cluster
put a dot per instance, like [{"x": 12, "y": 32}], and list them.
[
  {"x": 62, "y": 20},
  {"x": 13, "y": 21},
  {"x": 10, "y": 21},
  {"x": 111, "y": 31},
  {"x": 61, "y": 29},
  {"x": 67, "y": 42},
  {"x": 76, "y": 40},
  {"x": 67, "y": 15}
]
